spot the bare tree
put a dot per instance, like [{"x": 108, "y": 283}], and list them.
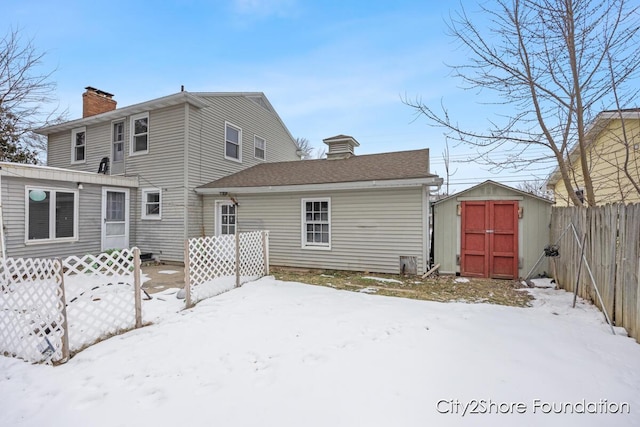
[
  {"x": 551, "y": 64},
  {"x": 25, "y": 91},
  {"x": 304, "y": 147},
  {"x": 537, "y": 187},
  {"x": 307, "y": 150},
  {"x": 445, "y": 158}
]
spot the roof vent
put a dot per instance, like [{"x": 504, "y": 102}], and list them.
[{"x": 341, "y": 147}]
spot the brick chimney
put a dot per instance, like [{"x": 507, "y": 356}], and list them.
[
  {"x": 340, "y": 146},
  {"x": 96, "y": 101}
]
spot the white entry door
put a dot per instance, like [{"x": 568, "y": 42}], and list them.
[
  {"x": 225, "y": 218},
  {"x": 115, "y": 218}
]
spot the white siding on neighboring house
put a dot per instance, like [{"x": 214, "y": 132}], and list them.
[{"x": 370, "y": 229}]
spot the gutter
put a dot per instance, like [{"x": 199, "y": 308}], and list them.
[{"x": 357, "y": 185}]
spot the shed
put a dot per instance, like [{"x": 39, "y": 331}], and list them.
[{"x": 491, "y": 230}]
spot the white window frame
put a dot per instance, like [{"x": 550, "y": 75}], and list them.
[
  {"x": 52, "y": 215},
  {"x": 74, "y": 133},
  {"x": 145, "y": 215},
  {"x": 264, "y": 147},
  {"x": 303, "y": 230},
  {"x": 113, "y": 141},
  {"x": 218, "y": 214},
  {"x": 239, "y": 129},
  {"x": 132, "y": 137}
]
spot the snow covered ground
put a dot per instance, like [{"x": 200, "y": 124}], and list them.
[{"x": 286, "y": 354}]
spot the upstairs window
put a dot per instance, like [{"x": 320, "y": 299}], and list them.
[
  {"x": 232, "y": 142},
  {"x": 118, "y": 141},
  {"x": 259, "y": 145},
  {"x": 316, "y": 223},
  {"x": 140, "y": 134},
  {"x": 78, "y": 145}
]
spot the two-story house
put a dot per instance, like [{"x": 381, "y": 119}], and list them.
[
  {"x": 613, "y": 155},
  {"x": 170, "y": 146}
]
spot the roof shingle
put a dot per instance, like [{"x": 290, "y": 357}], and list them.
[{"x": 372, "y": 167}]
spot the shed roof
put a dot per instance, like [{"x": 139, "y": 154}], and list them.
[
  {"x": 497, "y": 184},
  {"x": 401, "y": 165}
]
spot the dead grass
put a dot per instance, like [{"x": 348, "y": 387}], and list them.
[{"x": 442, "y": 288}]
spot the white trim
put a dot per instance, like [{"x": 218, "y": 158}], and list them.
[
  {"x": 264, "y": 148},
  {"x": 218, "y": 215},
  {"x": 239, "y": 129},
  {"x": 426, "y": 236},
  {"x": 52, "y": 215},
  {"x": 132, "y": 135},
  {"x": 75, "y": 132},
  {"x": 356, "y": 185},
  {"x": 303, "y": 228},
  {"x": 66, "y": 175},
  {"x": 127, "y": 208},
  {"x": 143, "y": 210},
  {"x": 124, "y": 133}
]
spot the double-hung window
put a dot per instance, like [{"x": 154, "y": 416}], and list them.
[
  {"x": 260, "y": 147},
  {"x": 232, "y": 142},
  {"x": 316, "y": 223},
  {"x": 79, "y": 145},
  {"x": 151, "y": 203},
  {"x": 140, "y": 134},
  {"x": 51, "y": 215}
]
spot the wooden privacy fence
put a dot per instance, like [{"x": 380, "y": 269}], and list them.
[
  {"x": 216, "y": 264},
  {"x": 612, "y": 251},
  {"x": 51, "y": 308}
]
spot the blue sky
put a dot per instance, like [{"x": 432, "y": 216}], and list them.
[{"x": 328, "y": 67}]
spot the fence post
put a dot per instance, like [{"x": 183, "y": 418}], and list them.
[
  {"x": 187, "y": 278},
  {"x": 637, "y": 328},
  {"x": 237, "y": 237},
  {"x": 65, "y": 323},
  {"x": 137, "y": 287},
  {"x": 265, "y": 251}
]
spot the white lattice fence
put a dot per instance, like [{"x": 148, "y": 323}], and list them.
[
  {"x": 210, "y": 263},
  {"x": 252, "y": 259},
  {"x": 32, "y": 310},
  {"x": 50, "y": 307},
  {"x": 103, "y": 295}
]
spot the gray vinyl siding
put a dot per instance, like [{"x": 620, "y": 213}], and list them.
[
  {"x": 166, "y": 167},
  {"x": 89, "y": 220},
  {"x": 163, "y": 168},
  {"x": 533, "y": 228},
  {"x": 370, "y": 229},
  {"x": 206, "y": 148}
]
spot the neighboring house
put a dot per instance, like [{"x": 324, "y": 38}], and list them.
[
  {"x": 345, "y": 212},
  {"x": 52, "y": 212},
  {"x": 607, "y": 152},
  {"x": 170, "y": 145},
  {"x": 491, "y": 230}
]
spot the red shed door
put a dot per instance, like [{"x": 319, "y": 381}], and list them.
[{"x": 489, "y": 246}]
